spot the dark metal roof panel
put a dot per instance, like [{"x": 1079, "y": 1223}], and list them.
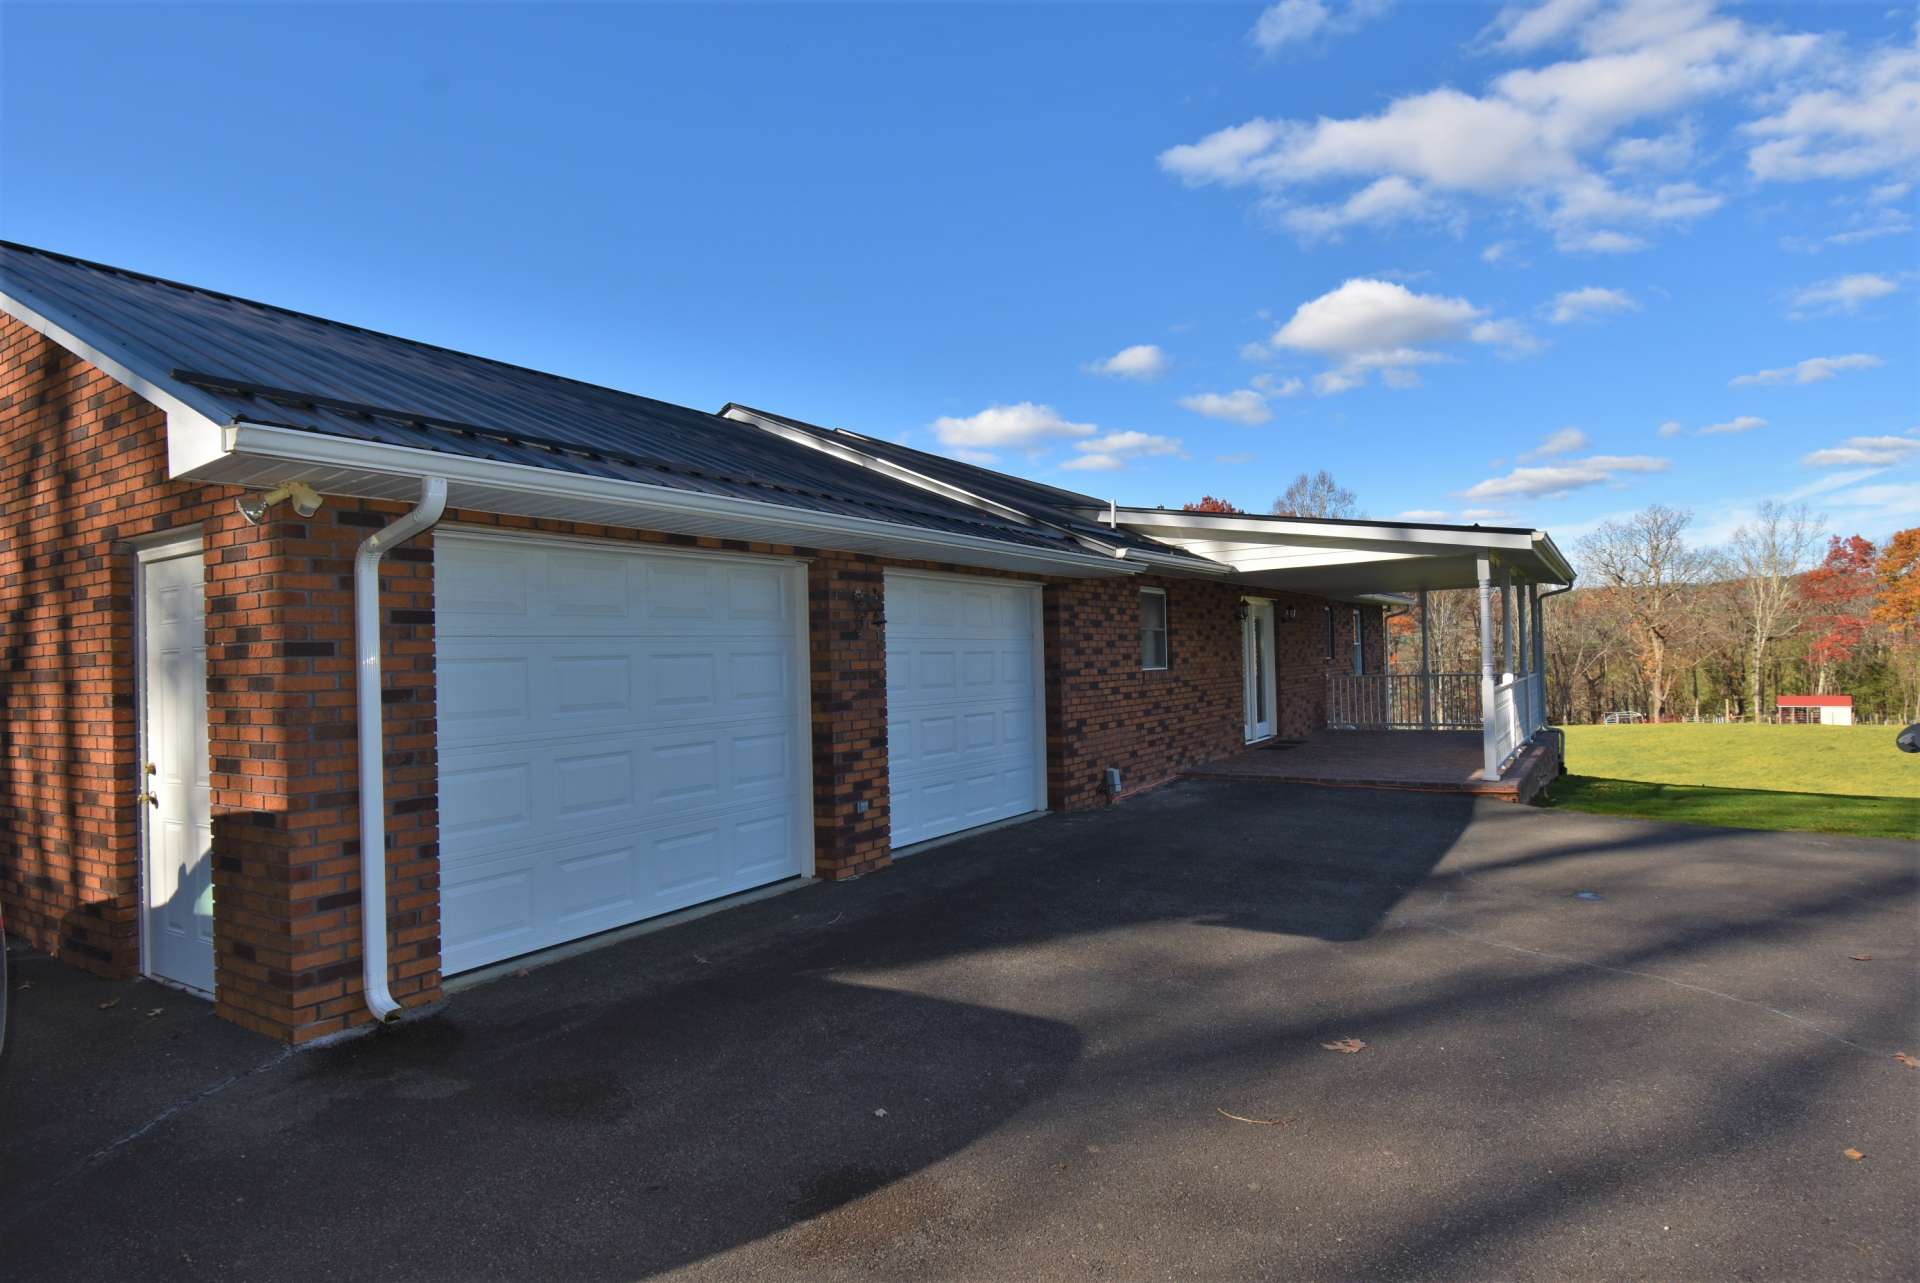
[{"x": 163, "y": 330}]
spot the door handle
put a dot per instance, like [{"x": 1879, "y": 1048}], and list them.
[{"x": 145, "y": 795}]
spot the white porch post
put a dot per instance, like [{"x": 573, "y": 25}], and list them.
[
  {"x": 1506, "y": 621},
  {"x": 1426, "y": 667},
  {"x": 1540, "y": 649},
  {"x": 1489, "y": 749},
  {"x": 1522, "y": 668}
]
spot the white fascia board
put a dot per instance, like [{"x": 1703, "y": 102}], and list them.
[
  {"x": 257, "y": 452},
  {"x": 194, "y": 433},
  {"x": 1154, "y": 521}
]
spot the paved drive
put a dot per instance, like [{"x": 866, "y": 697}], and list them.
[{"x": 1008, "y": 1058}]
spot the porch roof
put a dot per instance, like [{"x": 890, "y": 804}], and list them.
[{"x": 1345, "y": 558}]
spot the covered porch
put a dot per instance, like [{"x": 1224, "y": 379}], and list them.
[{"x": 1476, "y": 732}]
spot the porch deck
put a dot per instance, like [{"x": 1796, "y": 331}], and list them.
[{"x": 1423, "y": 761}]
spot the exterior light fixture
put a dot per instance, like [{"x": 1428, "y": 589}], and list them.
[
  {"x": 306, "y": 501},
  {"x": 1289, "y": 613}
]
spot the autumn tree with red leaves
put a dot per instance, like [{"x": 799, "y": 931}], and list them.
[
  {"x": 1207, "y": 503},
  {"x": 1839, "y": 593}
]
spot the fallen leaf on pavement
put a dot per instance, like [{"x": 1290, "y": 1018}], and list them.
[
  {"x": 1345, "y": 1045},
  {"x": 521, "y": 974},
  {"x": 109, "y": 1004},
  {"x": 1861, "y": 957},
  {"x": 1909, "y": 1061},
  {"x": 1259, "y": 1122},
  {"x": 1854, "y": 1154},
  {"x": 24, "y": 985},
  {"x": 154, "y": 1012}
]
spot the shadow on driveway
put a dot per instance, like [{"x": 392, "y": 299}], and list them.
[{"x": 1007, "y": 1058}]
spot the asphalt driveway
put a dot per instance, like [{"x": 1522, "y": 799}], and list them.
[{"x": 1016, "y": 1057}]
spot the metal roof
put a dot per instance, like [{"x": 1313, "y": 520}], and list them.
[{"x": 239, "y": 361}]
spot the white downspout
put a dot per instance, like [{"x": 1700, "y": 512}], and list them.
[{"x": 373, "y": 770}]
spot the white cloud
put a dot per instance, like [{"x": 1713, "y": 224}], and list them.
[
  {"x": 1601, "y": 242},
  {"x": 1593, "y": 300},
  {"x": 1022, "y": 424},
  {"x": 1116, "y": 449},
  {"x": 1235, "y": 459},
  {"x": 1141, "y": 361},
  {"x": 1872, "y": 452},
  {"x": 1386, "y": 201},
  {"x": 1842, "y": 294},
  {"x": 1421, "y": 514},
  {"x": 1669, "y": 151},
  {"x": 1274, "y": 386},
  {"x": 1243, "y": 405},
  {"x": 1672, "y": 428},
  {"x": 1485, "y": 514},
  {"x": 1565, "y": 441},
  {"x": 1531, "y": 137},
  {"x": 1553, "y": 480},
  {"x": 1510, "y": 338},
  {"x": 1734, "y": 426},
  {"x": 1816, "y": 369},
  {"x": 1294, "y": 21},
  {"x": 1889, "y": 504},
  {"x": 1367, "y": 326},
  {"x": 1867, "y": 122},
  {"x": 1498, "y": 252}
]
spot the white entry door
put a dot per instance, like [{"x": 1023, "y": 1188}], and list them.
[
  {"x": 623, "y": 732},
  {"x": 965, "y": 740},
  {"x": 1257, "y": 669},
  {"x": 177, "y": 902}
]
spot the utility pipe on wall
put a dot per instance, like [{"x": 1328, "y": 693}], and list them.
[{"x": 373, "y": 767}]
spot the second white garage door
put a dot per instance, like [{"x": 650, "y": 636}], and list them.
[
  {"x": 964, "y": 729},
  {"x": 623, "y": 732}
]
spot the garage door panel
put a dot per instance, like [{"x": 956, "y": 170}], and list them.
[
  {"x": 620, "y": 738},
  {"x": 526, "y": 685},
  {"x": 961, "y": 704}
]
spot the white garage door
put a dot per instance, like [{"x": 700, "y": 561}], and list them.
[
  {"x": 963, "y": 703},
  {"x": 622, "y": 733}
]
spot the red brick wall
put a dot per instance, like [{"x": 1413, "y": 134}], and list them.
[
  {"x": 82, "y": 472},
  {"x": 82, "y": 480},
  {"x": 283, "y": 725},
  {"x": 1104, "y": 710}
]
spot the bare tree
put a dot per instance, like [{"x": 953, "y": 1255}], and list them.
[
  {"x": 1318, "y": 495},
  {"x": 1646, "y": 558},
  {"x": 1582, "y": 632},
  {"x": 1768, "y": 554}
]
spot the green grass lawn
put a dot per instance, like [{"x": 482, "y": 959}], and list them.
[{"x": 1824, "y": 779}]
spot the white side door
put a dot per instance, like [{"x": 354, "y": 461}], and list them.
[
  {"x": 1257, "y": 669},
  {"x": 965, "y": 736},
  {"x": 177, "y": 828}
]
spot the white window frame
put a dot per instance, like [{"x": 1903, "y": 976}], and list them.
[
  {"x": 1165, "y": 630},
  {"x": 1359, "y": 643}
]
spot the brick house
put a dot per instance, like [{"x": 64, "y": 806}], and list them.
[{"x": 336, "y": 663}]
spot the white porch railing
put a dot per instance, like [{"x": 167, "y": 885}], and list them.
[{"x": 1403, "y": 701}]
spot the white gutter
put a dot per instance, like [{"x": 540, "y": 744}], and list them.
[
  {"x": 647, "y": 503},
  {"x": 373, "y": 767}
]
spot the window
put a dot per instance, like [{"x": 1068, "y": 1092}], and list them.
[
  {"x": 1331, "y": 650},
  {"x": 1359, "y": 644},
  {"x": 1153, "y": 628}
]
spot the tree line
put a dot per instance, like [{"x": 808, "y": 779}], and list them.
[{"x": 1661, "y": 626}]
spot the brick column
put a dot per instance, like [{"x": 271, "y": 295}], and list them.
[
  {"x": 281, "y": 728},
  {"x": 846, "y": 598}
]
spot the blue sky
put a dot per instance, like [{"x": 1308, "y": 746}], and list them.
[{"x": 1541, "y": 264}]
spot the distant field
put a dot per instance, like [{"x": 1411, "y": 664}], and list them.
[
  {"x": 1860, "y": 761},
  {"x": 1823, "y": 779}
]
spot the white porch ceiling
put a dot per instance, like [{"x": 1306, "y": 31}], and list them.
[{"x": 1348, "y": 558}]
